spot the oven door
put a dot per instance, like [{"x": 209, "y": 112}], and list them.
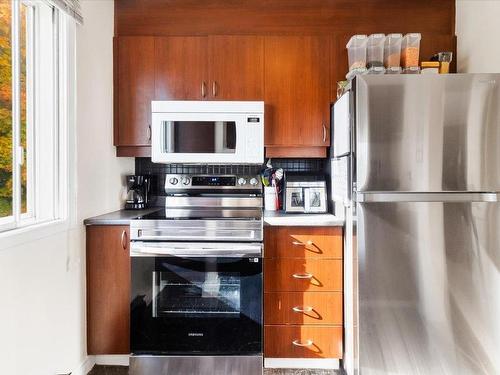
[
  {"x": 207, "y": 138},
  {"x": 185, "y": 305}
]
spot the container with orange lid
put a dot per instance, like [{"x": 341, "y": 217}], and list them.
[{"x": 410, "y": 50}]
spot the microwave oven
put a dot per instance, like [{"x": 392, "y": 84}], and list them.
[{"x": 229, "y": 132}]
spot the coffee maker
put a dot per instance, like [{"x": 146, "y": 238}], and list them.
[{"x": 137, "y": 192}]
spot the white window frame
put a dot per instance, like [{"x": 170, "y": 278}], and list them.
[{"x": 50, "y": 111}]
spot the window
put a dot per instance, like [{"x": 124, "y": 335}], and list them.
[{"x": 32, "y": 145}]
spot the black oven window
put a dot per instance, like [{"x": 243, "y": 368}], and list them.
[
  {"x": 182, "y": 292},
  {"x": 208, "y": 137}
]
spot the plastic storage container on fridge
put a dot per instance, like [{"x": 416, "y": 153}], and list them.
[
  {"x": 375, "y": 51},
  {"x": 392, "y": 51},
  {"x": 356, "y": 51},
  {"x": 410, "y": 50}
]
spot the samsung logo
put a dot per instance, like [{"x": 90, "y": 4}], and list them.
[{"x": 195, "y": 334}]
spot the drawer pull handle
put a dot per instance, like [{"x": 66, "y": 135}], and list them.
[
  {"x": 124, "y": 240},
  {"x": 305, "y": 343},
  {"x": 303, "y": 309},
  {"x": 302, "y": 275},
  {"x": 298, "y": 243}
]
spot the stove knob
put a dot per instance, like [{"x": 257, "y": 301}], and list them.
[
  {"x": 173, "y": 181},
  {"x": 186, "y": 180},
  {"x": 241, "y": 181},
  {"x": 253, "y": 181}
]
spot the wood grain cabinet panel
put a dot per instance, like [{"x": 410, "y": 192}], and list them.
[
  {"x": 297, "y": 91},
  {"x": 303, "y": 242},
  {"x": 134, "y": 90},
  {"x": 236, "y": 65},
  {"x": 303, "y": 308},
  {"x": 108, "y": 289},
  {"x": 301, "y": 275},
  {"x": 181, "y": 68},
  {"x": 302, "y": 341}
]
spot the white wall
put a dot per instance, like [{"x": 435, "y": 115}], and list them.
[
  {"x": 478, "y": 30},
  {"x": 42, "y": 282}
]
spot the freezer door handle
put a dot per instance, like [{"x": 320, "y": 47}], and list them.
[{"x": 376, "y": 197}]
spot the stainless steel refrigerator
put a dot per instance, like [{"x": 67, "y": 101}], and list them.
[{"x": 416, "y": 172}]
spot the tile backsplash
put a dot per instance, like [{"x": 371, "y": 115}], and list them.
[{"x": 145, "y": 166}]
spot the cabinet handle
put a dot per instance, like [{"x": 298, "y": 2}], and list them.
[
  {"x": 124, "y": 240},
  {"x": 302, "y": 275},
  {"x": 324, "y": 133},
  {"x": 203, "y": 90},
  {"x": 298, "y": 243},
  {"x": 302, "y": 309},
  {"x": 149, "y": 132},
  {"x": 214, "y": 88},
  {"x": 305, "y": 343}
]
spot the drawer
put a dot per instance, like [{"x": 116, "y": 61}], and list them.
[
  {"x": 300, "y": 275},
  {"x": 303, "y": 242},
  {"x": 303, "y": 308},
  {"x": 302, "y": 342}
]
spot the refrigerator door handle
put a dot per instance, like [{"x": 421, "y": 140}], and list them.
[{"x": 376, "y": 197}]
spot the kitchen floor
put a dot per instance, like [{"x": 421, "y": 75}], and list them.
[{"x": 121, "y": 370}]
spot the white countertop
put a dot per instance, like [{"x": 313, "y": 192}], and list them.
[{"x": 280, "y": 218}]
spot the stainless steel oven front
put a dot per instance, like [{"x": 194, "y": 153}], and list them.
[{"x": 190, "y": 300}]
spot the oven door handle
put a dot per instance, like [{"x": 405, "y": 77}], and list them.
[{"x": 235, "y": 251}]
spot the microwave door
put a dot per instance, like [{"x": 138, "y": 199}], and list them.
[{"x": 200, "y": 138}]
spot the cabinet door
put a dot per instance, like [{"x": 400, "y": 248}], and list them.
[
  {"x": 181, "y": 68},
  {"x": 108, "y": 289},
  {"x": 134, "y": 90},
  {"x": 297, "y": 91},
  {"x": 236, "y": 67}
]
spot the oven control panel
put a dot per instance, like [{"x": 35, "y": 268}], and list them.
[{"x": 208, "y": 182}]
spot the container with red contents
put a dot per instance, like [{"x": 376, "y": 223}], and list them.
[{"x": 410, "y": 50}]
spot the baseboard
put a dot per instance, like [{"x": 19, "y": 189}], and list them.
[
  {"x": 112, "y": 360},
  {"x": 309, "y": 363},
  {"x": 85, "y": 366}
]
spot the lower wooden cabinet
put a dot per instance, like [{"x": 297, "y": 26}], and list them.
[
  {"x": 290, "y": 275},
  {"x": 302, "y": 341},
  {"x": 108, "y": 289},
  {"x": 303, "y": 308},
  {"x": 303, "y": 292}
]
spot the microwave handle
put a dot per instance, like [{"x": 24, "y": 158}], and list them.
[{"x": 167, "y": 136}]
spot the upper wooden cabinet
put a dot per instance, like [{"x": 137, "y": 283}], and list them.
[
  {"x": 133, "y": 91},
  {"x": 181, "y": 68},
  {"x": 297, "y": 95},
  {"x": 236, "y": 67},
  {"x": 290, "y": 73}
]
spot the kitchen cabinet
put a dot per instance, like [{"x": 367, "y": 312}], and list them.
[
  {"x": 297, "y": 95},
  {"x": 133, "y": 92},
  {"x": 303, "y": 292},
  {"x": 236, "y": 67},
  {"x": 209, "y": 68},
  {"x": 180, "y": 66},
  {"x": 108, "y": 289}
]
